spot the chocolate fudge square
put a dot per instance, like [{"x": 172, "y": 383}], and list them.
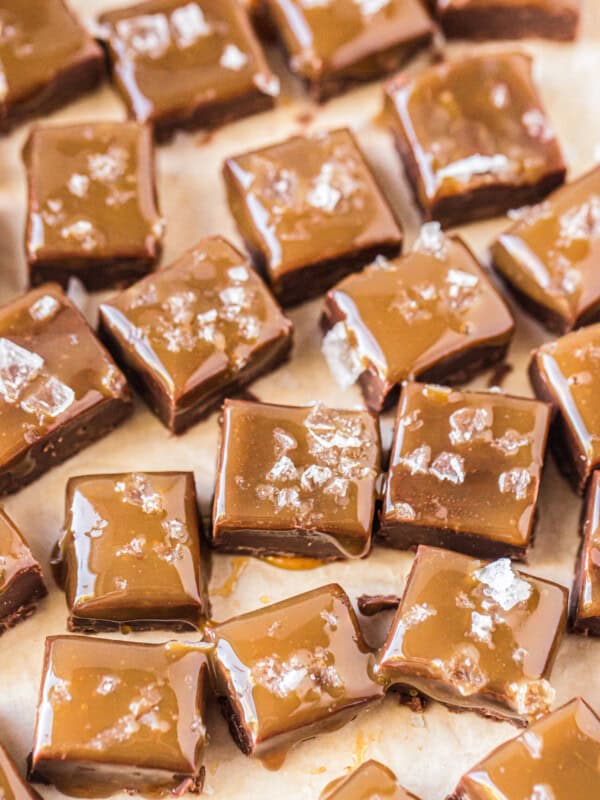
[
  {"x": 465, "y": 471},
  {"x": 12, "y": 784},
  {"x": 46, "y": 59},
  {"x": 585, "y": 597},
  {"x": 310, "y": 212},
  {"x": 291, "y": 670},
  {"x": 118, "y": 716},
  {"x": 474, "y": 137},
  {"x": 436, "y": 301},
  {"x": 509, "y": 19},
  {"x": 59, "y": 388},
  {"x": 566, "y": 373},
  {"x": 92, "y": 211},
  {"x": 296, "y": 481},
  {"x": 130, "y": 555},
  {"x": 557, "y": 758},
  {"x": 188, "y": 63},
  {"x": 335, "y": 45},
  {"x": 195, "y": 332},
  {"x": 371, "y": 780},
  {"x": 21, "y": 579},
  {"x": 475, "y": 635},
  {"x": 549, "y": 257}
]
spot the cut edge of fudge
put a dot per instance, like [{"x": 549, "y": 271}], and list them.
[
  {"x": 499, "y": 22},
  {"x": 586, "y": 625}
]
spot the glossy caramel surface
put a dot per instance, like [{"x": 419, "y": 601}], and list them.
[
  {"x": 552, "y": 251},
  {"x": 15, "y": 555},
  {"x": 131, "y": 548},
  {"x": 172, "y": 57},
  {"x": 292, "y": 668},
  {"x": 587, "y": 585},
  {"x": 436, "y": 300},
  {"x": 473, "y": 123},
  {"x": 52, "y": 369},
  {"x": 570, "y": 370},
  {"x": 371, "y": 781},
  {"x": 39, "y": 42},
  {"x": 475, "y": 634},
  {"x": 307, "y": 471},
  {"x": 114, "y": 715},
  {"x": 467, "y": 461},
  {"x": 12, "y": 785},
  {"x": 329, "y": 37},
  {"x": 197, "y": 324},
  {"x": 91, "y": 193},
  {"x": 556, "y": 759},
  {"x": 308, "y": 199}
]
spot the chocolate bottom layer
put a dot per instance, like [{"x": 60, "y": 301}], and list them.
[
  {"x": 509, "y": 22},
  {"x": 20, "y": 598},
  {"x": 95, "y": 274}
]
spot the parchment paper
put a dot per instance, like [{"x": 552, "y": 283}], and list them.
[{"x": 428, "y": 752}]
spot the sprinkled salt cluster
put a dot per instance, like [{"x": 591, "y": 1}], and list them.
[
  {"x": 530, "y": 215},
  {"x": 137, "y": 490},
  {"x": 189, "y": 25},
  {"x": 482, "y": 627},
  {"x": 45, "y": 308},
  {"x": 470, "y": 424},
  {"x": 538, "y": 125},
  {"x": 301, "y": 674},
  {"x": 542, "y": 791},
  {"x": 233, "y": 58},
  {"x": 461, "y": 290},
  {"x": 500, "y": 95},
  {"x": 135, "y": 548},
  {"x": 463, "y": 671},
  {"x": 511, "y": 442},
  {"x": 503, "y": 585},
  {"x": 151, "y": 35},
  {"x": 404, "y": 511},
  {"x": 532, "y": 697},
  {"x": 83, "y": 232},
  {"x": 432, "y": 240},
  {"x": 370, "y": 7},
  {"x": 515, "y": 481},
  {"x": 411, "y": 308},
  {"x": 342, "y": 358},
  {"x": 335, "y": 183},
  {"x": 464, "y": 169},
  {"x": 78, "y": 184},
  {"x": 445, "y": 467},
  {"x": 144, "y": 711},
  {"x": 108, "y": 684},
  {"x": 50, "y": 399},
  {"x": 60, "y": 691},
  {"x": 172, "y": 549},
  {"x": 581, "y": 222}
]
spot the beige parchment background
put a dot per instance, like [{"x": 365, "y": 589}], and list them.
[{"x": 428, "y": 752}]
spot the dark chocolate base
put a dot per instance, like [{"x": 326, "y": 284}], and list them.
[
  {"x": 502, "y": 22},
  {"x": 479, "y": 203},
  {"x": 280, "y": 543},
  {"x": 95, "y": 274},
  {"x": 91, "y": 626},
  {"x": 19, "y": 600},
  {"x": 65, "y": 86},
  {"x": 370, "y": 605},
  {"x": 190, "y": 410},
  {"x": 62, "y": 443},
  {"x": 409, "y": 696}
]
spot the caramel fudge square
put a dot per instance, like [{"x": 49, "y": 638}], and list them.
[
  {"x": 333, "y": 45},
  {"x": 130, "y": 555},
  {"x": 566, "y": 373},
  {"x": 188, "y": 63},
  {"x": 291, "y": 670},
  {"x": 474, "y": 137},
  {"x": 475, "y": 635},
  {"x": 549, "y": 257},
  {"x": 46, "y": 59},
  {"x": 195, "y": 332},
  {"x": 509, "y": 19},
  {"x": 92, "y": 211},
  {"x": 21, "y": 579},
  {"x": 59, "y": 388},
  {"x": 465, "y": 471},
  {"x": 436, "y": 301},
  {"x": 371, "y": 780},
  {"x": 118, "y": 716},
  {"x": 585, "y": 597},
  {"x": 296, "y": 481},
  {"x": 557, "y": 758},
  {"x": 310, "y": 212}
]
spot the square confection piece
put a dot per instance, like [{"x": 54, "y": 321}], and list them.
[
  {"x": 296, "y": 481},
  {"x": 566, "y": 373},
  {"x": 46, "y": 59},
  {"x": 475, "y": 635},
  {"x": 557, "y": 759},
  {"x": 292, "y": 669},
  {"x": 310, "y": 212},
  {"x": 585, "y": 597},
  {"x": 195, "y": 332},
  {"x": 12, "y": 784},
  {"x": 121, "y": 717},
  {"x": 336, "y": 44},
  {"x": 465, "y": 471},
  {"x": 550, "y": 256},
  {"x": 370, "y": 781},
  {"x": 188, "y": 63},
  {"x": 92, "y": 210},
  {"x": 509, "y": 19},
  {"x": 21, "y": 579},
  {"x": 436, "y": 301},
  {"x": 130, "y": 555},
  {"x": 474, "y": 137},
  {"x": 59, "y": 388}
]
